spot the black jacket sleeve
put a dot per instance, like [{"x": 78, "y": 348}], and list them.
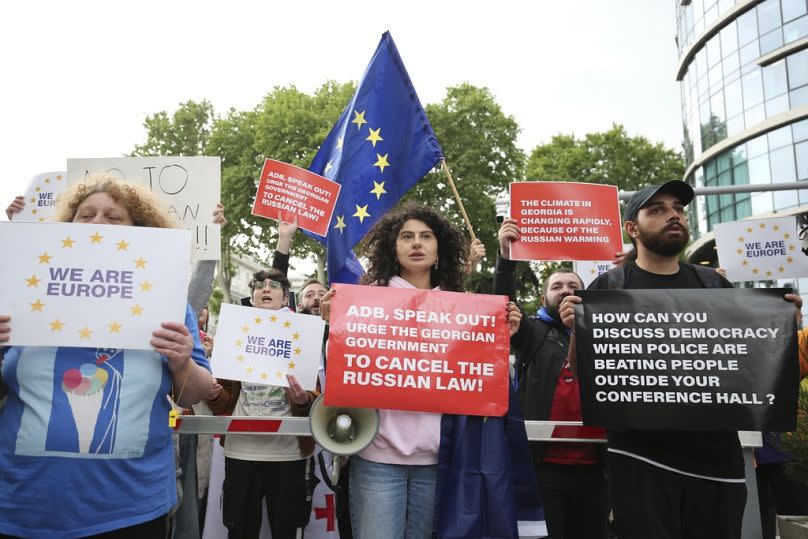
[{"x": 505, "y": 277}]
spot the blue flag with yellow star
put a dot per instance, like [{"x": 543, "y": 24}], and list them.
[{"x": 380, "y": 147}]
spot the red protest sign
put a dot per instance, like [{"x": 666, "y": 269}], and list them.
[
  {"x": 297, "y": 194},
  {"x": 565, "y": 221},
  {"x": 422, "y": 350}
]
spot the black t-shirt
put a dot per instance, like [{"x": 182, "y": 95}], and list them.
[{"x": 715, "y": 454}]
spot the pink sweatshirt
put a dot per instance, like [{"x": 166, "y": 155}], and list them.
[{"x": 405, "y": 437}]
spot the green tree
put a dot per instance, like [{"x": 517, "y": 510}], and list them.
[
  {"x": 610, "y": 157},
  {"x": 479, "y": 142},
  {"x": 185, "y": 132}
]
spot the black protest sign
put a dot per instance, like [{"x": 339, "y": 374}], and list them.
[{"x": 687, "y": 359}]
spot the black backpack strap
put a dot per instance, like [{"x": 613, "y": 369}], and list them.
[
  {"x": 708, "y": 276},
  {"x": 617, "y": 278}
]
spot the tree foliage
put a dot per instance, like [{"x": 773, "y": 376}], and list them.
[{"x": 611, "y": 157}]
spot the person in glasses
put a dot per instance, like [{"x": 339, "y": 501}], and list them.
[{"x": 271, "y": 468}]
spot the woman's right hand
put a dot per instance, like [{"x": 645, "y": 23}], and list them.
[
  {"x": 5, "y": 328},
  {"x": 16, "y": 206}
]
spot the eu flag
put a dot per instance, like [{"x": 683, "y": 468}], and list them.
[{"x": 381, "y": 146}]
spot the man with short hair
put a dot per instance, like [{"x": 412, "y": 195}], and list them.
[
  {"x": 310, "y": 295},
  {"x": 669, "y": 483},
  {"x": 571, "y": 477}
]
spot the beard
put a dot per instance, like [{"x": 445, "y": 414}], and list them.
[
  {"x": 663, "y": 244},
  {"x": 552, "y": 308}
]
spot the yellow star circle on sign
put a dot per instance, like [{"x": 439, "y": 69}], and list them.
[
  {"x": 114, "y": 327},
  {"x": 32, "y": 281},
  {"x": 145, "y": 286},
  {"x": 67, "y": 243},
  {"x": 96, "y": 238},
  {"x": 295, "y": 336},
  {"x": 137, "y": 310},
  {"x": 257, "y": 320},
  {"x": 287, "y": 324},
  {"x": 57, "y": 325},
  {"x": 37, "y": 306},
  {"x": 122, "y": 245},
  {"x": 45, "y": 258},
  {"x": 85, "y": 333},
  {"x": 291, "y": 365},
  {"x": 140, "y": 263},
  {"x": 273, "y": 318}
]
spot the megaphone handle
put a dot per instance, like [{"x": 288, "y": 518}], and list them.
[{"x": 335, "y": 469}]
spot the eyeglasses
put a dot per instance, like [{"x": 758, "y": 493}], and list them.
[{"x": 274, "y": 285}]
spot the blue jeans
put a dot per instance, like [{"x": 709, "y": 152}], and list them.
[{"x": 391, "y": 501}]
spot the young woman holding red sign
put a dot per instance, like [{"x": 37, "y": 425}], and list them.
[{"x": 392, "y": 492}]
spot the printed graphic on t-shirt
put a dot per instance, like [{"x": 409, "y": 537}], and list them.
[{"x": 106, "y": 395}]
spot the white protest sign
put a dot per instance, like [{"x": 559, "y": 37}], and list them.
[
  {"x": 189, "y": 186},
  {"x": 589, "y": 270},
  {"x": 107, "y": 286},
  {"x": 761, "y": 249},
  {"x": 263, "y": 346},
  {"x": 40, "y": 197}
]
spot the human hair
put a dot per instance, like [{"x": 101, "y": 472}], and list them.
[
  {"x": 380, "y": 247},
  {"x": 143, "y": 207},
  {"x": 555, "y": 272},
  {"x": 311, "y": 281},
  {"x": 270, "y": 273}
]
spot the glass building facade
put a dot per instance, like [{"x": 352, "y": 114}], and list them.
[{"x": 744, "y": 92}]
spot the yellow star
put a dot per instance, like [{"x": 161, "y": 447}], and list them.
[
  {"x": 37, "y": 306},
  {"x": 768, "y": 274},
  {"x": 755, "y": 271},
  {"x": 378, "y": 190},
  {"x": 245, "y": 329},
  {"x": 47, "y": 180},
  {"x": 791, "y": 247},
  {"x": 137, "y": 310},
  {"x": 33, "y": 199},
  {"x": 45, "y": 258},
  {"x": 790, "y": 259},
  {"x": 58, "y": 177},
  {"x": 298, "y": 351},
  {"x": 381, "y": 162},
  {"x": 273, "y": 318},
  {"x": 114, "y": 327},
  {"x": 340, "y": 223},
  {"x": 740, "y": 239},
  {"x": 762, "y": 225},
  {"x": 85, "y": 333},
  {"x": 278, "y": 374},
  {"x": 374, "y": 136},
  {"x": 749, "y": 229},
  {"x": 122, "y": 245},
  {"x": 145, "y": 286},
  {"x": 295, "y": 336},
  {"x": 287, "y": 324},
  {"x": 239, "y": 342},
  {"x": 41, "y": 219},
  {"x": 781, "y": 269},
  {"x": 33, "y": 211},
  {"x": 264, "y": 376},
  {"x": 361, "y": 212},
  {"x": 786, "y": 235},
  {"x": 339, "y": 142},
  {"x": 328, "y": 166},
  {"x": 240, "y": 358},
  {"x": 359, "y": 119},
  {"x": 33, "y": 281},
  {"x": 744, "y": 262},
  {"x": 57, "y": 325},
  {"x": 257, "y": 320},
  {"x": 249, "y": 370},
  {"x": 67, "y": 243},
  {"x": 291, "y": 365},
  {"x": 96, "y": 238},
  {"x": 37, "y": 189},
  {"x": 140, "y": 263},
  {"x": 739, "y": 250},
  {"x": 776, "y": 228}
]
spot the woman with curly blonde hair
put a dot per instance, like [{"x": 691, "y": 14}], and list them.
[{"x": 113, "y": 474}]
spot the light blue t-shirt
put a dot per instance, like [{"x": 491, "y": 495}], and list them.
[{"x": 85, "y": 446}]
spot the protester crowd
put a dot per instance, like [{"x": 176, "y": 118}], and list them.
[{"x": 408, "y": 482}]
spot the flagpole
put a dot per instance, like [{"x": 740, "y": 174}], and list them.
[{"x": 445, "y": 170}]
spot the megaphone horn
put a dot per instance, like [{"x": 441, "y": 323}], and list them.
[{"x": 342, "y": 431}]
